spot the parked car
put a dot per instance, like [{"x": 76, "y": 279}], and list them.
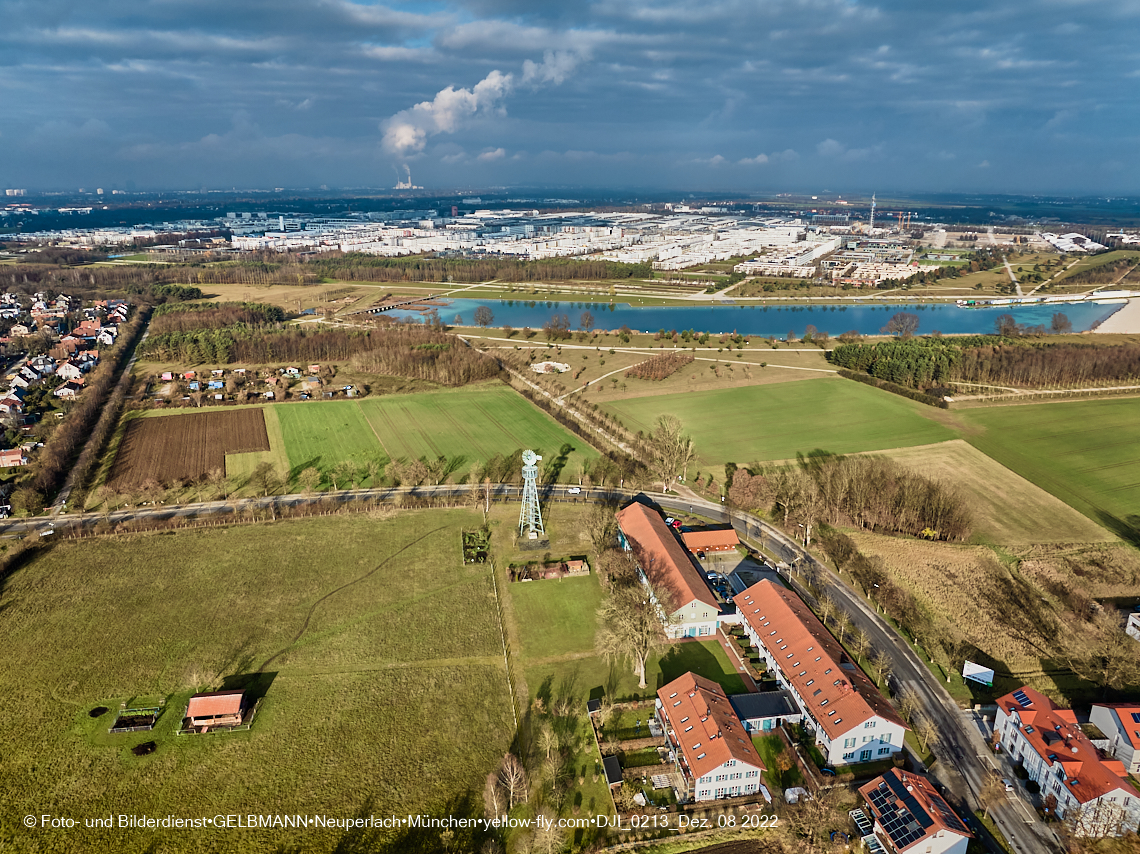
[
  {"x": 574, "y": 490},
  {"x": 1008, "y": 785}
]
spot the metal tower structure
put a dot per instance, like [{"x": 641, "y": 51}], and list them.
[
  {"x": 530, "y": 519},
  {"x": 872, "y": 225}
]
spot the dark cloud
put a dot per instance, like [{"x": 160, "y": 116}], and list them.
[{"x": 719, "y": 94}]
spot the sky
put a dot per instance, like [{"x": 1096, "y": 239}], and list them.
[{"x": 1037, "y": 96}]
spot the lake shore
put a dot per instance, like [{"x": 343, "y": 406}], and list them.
[{"x": 1126, "y": 320}]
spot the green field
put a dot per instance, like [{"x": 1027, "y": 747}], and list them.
[
  {"x": 1087, "y": 453},
  {"x": 379, "y": 655},
  {"x": 774, "y": 422},
  {"x": 323, "y": 434},
  {"x": 475, "y": 423}
]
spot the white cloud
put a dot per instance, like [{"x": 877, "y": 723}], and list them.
[
  {"x": 556, "y": 66},
  {"x": 407, "y": 132},
  {"x": 830, "y": 148},
  {"x": 758, "y": 160},
  {"x": 494, "y": 154}
]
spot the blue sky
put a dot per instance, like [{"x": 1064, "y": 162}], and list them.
[{"x": 737, "y": 95}]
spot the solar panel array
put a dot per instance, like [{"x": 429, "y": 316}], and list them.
[
  {"x": 1021, "y": 698},
  {"x": 901, "y": 816}
]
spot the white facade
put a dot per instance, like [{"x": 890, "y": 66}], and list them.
[
  {"x": 1111, "y": 812},
  {"x": 732, "y": 779},
  {"x": 1121, "y": 730}
]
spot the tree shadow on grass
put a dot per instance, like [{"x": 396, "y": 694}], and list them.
[
  {"x": 1128, "y": 528},
  {"x": 295, "y": 472}
]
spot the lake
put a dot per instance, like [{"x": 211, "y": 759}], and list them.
[{"x": 764, "y": 320}]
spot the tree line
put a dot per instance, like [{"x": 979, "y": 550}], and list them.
[
  {"x": 861, "y": 491},
  {"x": 929, "y": 362},
  {"x": 185, "y": 317}
]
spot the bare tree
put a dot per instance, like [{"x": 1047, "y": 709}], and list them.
[
  {"x": 992, "y": 793},
  {"x": 860, "y": 642},
  {"x": 549, "y": 838},
  {"x": 827, "y": 608},
  {"x": 492, "y": 797},
  {"x": 630, "y": 625},
  {"x": 926, "y": 731},
  {"x": 310, "y": 479},
  {"x": 904, "y": 324},
  {"x": 882, "y": 665},
  {"x": 513, "y": 779},
  {"x": 909, "y": 703}
]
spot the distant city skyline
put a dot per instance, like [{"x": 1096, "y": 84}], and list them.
[{"x": 1034, "y": 97}]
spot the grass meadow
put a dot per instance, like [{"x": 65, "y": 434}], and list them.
[
  {"x": 380, "y": 660},
  {"x": 325, "y": 433},
  {"x": 1007, "y": 508},
  {"x": 1087, "y": 453},
  {"x": 774, "y": 422}
]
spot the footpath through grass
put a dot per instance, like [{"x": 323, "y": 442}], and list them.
[
  {"x": 379, "y": 656},
  {"x": 774, "y": 422}
]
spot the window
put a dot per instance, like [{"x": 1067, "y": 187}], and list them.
[
  {"x": 817, "y": 692},
  {"x": 869, "y": 725},
  {"x": 885, "y": 738},
  {"x": 848, "y": 742},
  {"x": 832, "y": 712},
  {"x": 867, "y": 738},
  {"x": 810, "y": 682},
  {"x": 849, "y": 755},
  {"x": 827, "y": 672},
  {"x": 689, "y": 727},
  {"x": 824, "y": 702},
  {"x": 884, "y": 750},
  {"x": 673, "y": 695},
  {"x": 676, "y": 704},
  {"x": 685, "y": 719}
]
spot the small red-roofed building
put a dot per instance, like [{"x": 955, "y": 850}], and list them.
[
  {"x": 1093, "y": 794},
  {"x": 664, "y": 564},
  {"x": 711, "y": 541},
  {"x": 215, "y": 708},
  {"x": 710, "y": 746},
  {"x": 851, "y": 720},
  {"x": 1120, "y": 723},
  {"x": 909, "y": 815}
]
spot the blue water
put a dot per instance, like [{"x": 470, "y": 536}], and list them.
[{"x": 764, "y": 320}]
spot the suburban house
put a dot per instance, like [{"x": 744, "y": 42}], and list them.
[
  {"x": 1120, "y": 723},
  {"x": 11, "y": 403},
  {"x": 1092, "y": 793},
  {"x": 215, "y": 708},
  {"x": 710, "y": 541},
  {"x": 69, "y": 390},
  {"x": 709, "y": 745},
  {"x": 909, "y": 815},
  {"x": 663, "y": 563},
  {"x": 69, "y": 371},
  {"x": 1132, "y": 625},
  {"x": 14, "y": 457},
  {"x": 765, "y": 711},
  {"x": 851, "y": 720}
]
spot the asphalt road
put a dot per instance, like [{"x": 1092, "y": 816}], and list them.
[{"x": 964, "y": 758}]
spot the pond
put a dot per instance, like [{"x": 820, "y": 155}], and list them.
[{"x": 764, "y": 320}]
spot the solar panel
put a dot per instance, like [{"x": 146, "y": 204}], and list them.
[
  {"x": 1136, "y": 717},
  {"x": 1022, "y": 698}
]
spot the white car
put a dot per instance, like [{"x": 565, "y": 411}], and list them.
[
  {"x": 668, "y": 520},
  {"x": 574, "y": 490},
  {"x": 1008, "y": 785}
]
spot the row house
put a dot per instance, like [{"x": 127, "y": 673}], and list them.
[
  {"x": 1092, "y": 793},
  {"x": 665, "y": 565},
  {"x": 710, "y": 747},
  {"x": 909, "y": 815},
  {"x": 851, "y": 720}
]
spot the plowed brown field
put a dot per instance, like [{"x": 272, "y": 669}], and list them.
[{"x": 185, "y": 447}]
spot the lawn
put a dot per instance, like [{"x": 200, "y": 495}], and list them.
[
  {"x": 1007, "y": 508},
  {"x": 583, "y": 677},
  {"x": 473, "y": 423},
  {"x": 774, "y": 422},
  {"x": 769, "y": 746},
  {"x": 1087, "y": 453},
  {"x": 380, "y": 660},
  {"x": 557, "y": 617}
]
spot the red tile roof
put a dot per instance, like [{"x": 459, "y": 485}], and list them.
[
  {"x": 215, "y": 703},
  {"x": 1057, "y": 737},
  {"x": 1129, "y": 725},
  {"x": 662, "y": 558},
  {"x": 839, "y": 694},
  {"x": 705, "y": 725},
  {"x": 895, "y": 784},
  {"x": 700, "y": 541}
]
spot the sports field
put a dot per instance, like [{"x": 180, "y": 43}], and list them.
[
  {"x": 1087, "y": 453},
  {"x": 773, "y": 422},
  {"x": 380, "y": 661}
]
